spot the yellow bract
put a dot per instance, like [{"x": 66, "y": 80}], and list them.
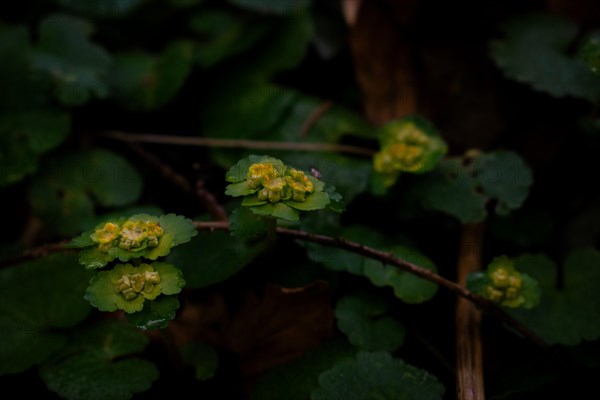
[
  {"x": 506, "y": 284},
  {"x": 259, "y": 173},
  {"x": 300, "y": 184},
  {"x": 131, "y": 235},
  {"x": 274, "y": 187},
  {"x": 404, "y": 153}
]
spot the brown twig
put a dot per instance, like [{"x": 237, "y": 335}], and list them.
[
  {"x": 209, "y": 201},
  {"x": 385, "y": 257},
  {"x": 469, "y": 354},
  {"x": 237, "y": 143},
  {"x": 314, "y": 117},
  {"x": 34, "y": 253}
]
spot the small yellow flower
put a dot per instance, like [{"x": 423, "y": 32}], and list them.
[
  {"x": 132, "y": 285},
  {"x": 299, "y": 183},
  {"x": 259, "y": 173},
  {"x": 106, "y": 235}
]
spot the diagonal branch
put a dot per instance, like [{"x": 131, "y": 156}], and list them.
[
  {"x": 237, "y": 143},
  {"x": 342, "y": 243}
]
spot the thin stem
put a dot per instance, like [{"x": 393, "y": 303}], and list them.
[
  {"x": 314, "y": 117},
  {"x": 237, "y": 143}
]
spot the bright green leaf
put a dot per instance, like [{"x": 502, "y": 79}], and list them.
[
  {"x": 277, "y": 210},
  {"x": 362, "y": 318},
  {"x": 76, "y": 66},
  {"x": 95, "y": 366},
  {"x": 171, "y": 278},
  {"x": 39, "y": 298},
  {"x": 314, "y": 201},
  {"x": 202, "y": 357},
  {"x": 156, "y": 314},
  {"x": 532, "y": 44},
  {"x": 571, "y": 314},
  {"x": 377, "y": 376}
]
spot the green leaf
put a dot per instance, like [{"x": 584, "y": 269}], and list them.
[
  {"x": 106, "y": 291},
  {"x": 314, "y": 201},
  {"x": 24, "y": 136},
  {"x": 39, "y": 298},
  {"x": 590, "y": 53},
  {"x": 224, "y": 35},
  {"x": 296, "y": 380},
  {"x": 239, "y": 189},
  {"x": 182, "y": 229},
  {"x": 63, "y": 193},
  {"x": 244, "y": 224},
  {"x": 377, "y": 376},
  {"x": 452, "y": 189},
  {"x": 504, "y": 176},
  {"x": 407, "y": 287},
  {"x": 75, "y": 65},
  {"x": 102, "y": 8},
  {"x": 281, "y": 7},
  {"x": 202, "y": 357},
  {"x": 533, "y": 43},
  {"x": 362, "y": 318},
  {"x": 277, "y": 210},
  {"x": 96, "y": 365},
  {"x": 569, "y": 315},
  {"x": 148, "y": 82},
  {"x": 171, "y": 278},
  {"x": 156, "y": 314},
  {"x": 212, "y": 257}
]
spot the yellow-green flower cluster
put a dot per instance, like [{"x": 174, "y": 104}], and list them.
[
  {"x": 505, "y": 284},
  {"x": 409, "y": 145},
  {"x": 131, "y": 235},
  {"x": 274, "y": 187},
  {"x": 404, "y": 153},
  {"x": 131, "y": 285}
]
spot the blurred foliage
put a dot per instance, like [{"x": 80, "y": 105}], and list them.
[{"x": 262, "y": 316}]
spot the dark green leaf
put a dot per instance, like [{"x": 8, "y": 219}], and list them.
[
  {"x": 39, "y": 298},
  {"x": 590, "y": 53},
  {"x": 280, "y": 7},
  {"x": 102, "y": 8},
  {"x": 94, "y": 366},
  {"x": 296, "y": 380},
  {"x": 212, "y": 257},
  {"x": 377, "y": 376},
  {"x": 156, "y": 314},
  {"x": 76, "y": 66},
  {"x": 148, "y": 82},
  {"x": 504, "y": 176},
  {"x": 244, "y": 224},
  {"x": 535, "y": 51},
  {"x": 451, "y": 189},
  {"x": 362, "y": 318},
  {"x": 202, "y": 357},
  {"x": 62, "y": 193},
  {"x": 569, "y": 315}
]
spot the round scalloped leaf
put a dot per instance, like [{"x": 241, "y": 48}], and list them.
[
  {"x": 182, "y": 229},
  {"x": 297, "y": 379},
  {"x": 571, "y": 314},
  {"x": 277, "y": 210},
  {"x": 102, "y": 292},
  {"x": 171, "y": 278},
  {"x": 38, "y": 299},
  {"x": 534, "y": 42},
  {"x": 362, "y": 318},
  {"x": 452, "y": 189},
  {"x": 377, "y": 376},
  {"x": 238, "y": 189},
  {"x": 504, "y": 176},
  {"x": 156, "y": 314},
  {"x": 76, "y": 66},
  {"x": 95, "y": 365},
  {"x": 314, "y": 201}
]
